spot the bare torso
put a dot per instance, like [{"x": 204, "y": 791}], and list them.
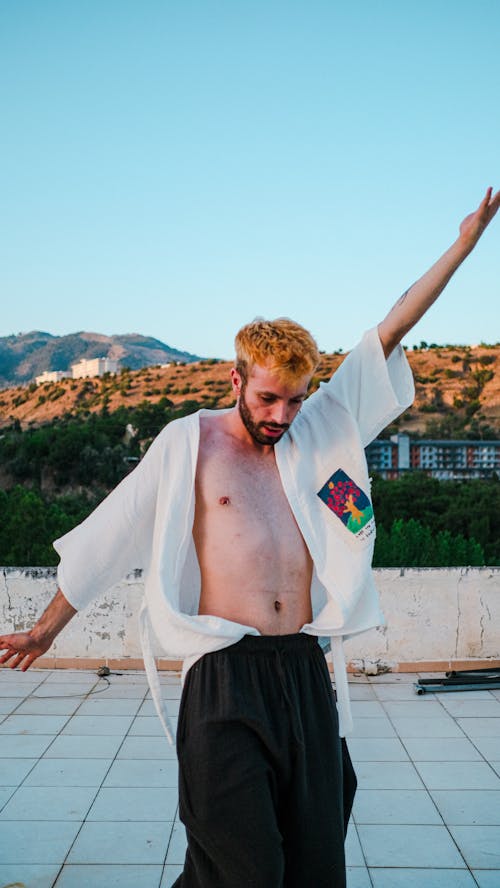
[{"x": 255, "y": 566}]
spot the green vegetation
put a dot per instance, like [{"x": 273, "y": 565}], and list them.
[
  {"x": 425, "y": 522},
  {"x": 55, "y": 475},
  {"x": 30, "y": 523}
]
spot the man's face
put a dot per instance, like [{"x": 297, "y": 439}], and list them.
[{"x": 267, "y": 406}]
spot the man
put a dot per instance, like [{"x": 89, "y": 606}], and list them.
[{"x": 255, "y": 529}]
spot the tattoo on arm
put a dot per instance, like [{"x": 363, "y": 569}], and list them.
[{"x": 402, "y": 298}]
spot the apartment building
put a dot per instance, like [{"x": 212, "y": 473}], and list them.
[
  {"x": 93, "y": 367},
  {"x": 444, "y": 459},
  {"x": 52, "y": 376}
]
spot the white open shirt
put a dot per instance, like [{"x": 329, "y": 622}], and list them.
[{"x": 146, "y": 522}]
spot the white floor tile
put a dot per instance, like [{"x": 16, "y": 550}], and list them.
[
  {"x": 417, "y": 708},
  {"x": 36, "y": 841},
  {"x": 455, "y": 749},
  {"x": 487, "y": 878},
  {"x": 454, "y": 775},
  {"x": 372, "y": 727},
  {"x": 177, "y": 845},
  {"x": 477, "y": 727},
  {"x": 411, "y": 846},
  {"x": 73, "y": 746},
  {"x": 9, "y": 689},
  {"x": 143, "y": 773},
  {"x": 9, "y": 704},
  {"x": 95, "y": 706},
  {"x": 68, "y": 772},
  {"x": 405, "y": 877},
  {"x": 6, "y": 792},
  {"x": 24, "y": 746},
  {"x": 358, "y": 877},
  {"x": 489, "y": 747},
  {"x": 403, "y": 806},
  {"x": 146, "y": 726},
  {"x": 358, "y": 692},
  {"x": 376, "y": 750},
  {"x": 109, "y": 876},
  {"x": 426, "y": 727},
  {"x": 170, "y": 874},
  {"x": 121, "y": 843},
  {"x": 13, "y": 771},
  {"x": 387, "y": 775},
  {"x": 73, "y": 676},
  {"x": 47, "y": 706},
  {"x": 460, "y": 807},
  {"x": 480, "y": 845},
  {"x": 367, "y": 709},
  {"x": 134, "y": 803},
  {"x": 472, "y": 708},
  {"x": 402, "y": 691},
  {"x": 353, "y": 850},
  {"x": 30, "y": 875},
  {"x": 66, "y": 690},
  {"x": 147, "y": 748},
  {"x": 98, "y": 725},
  {"x": 49, "y": 803},
  {"x": 117, "y": 692},
  {"x": 33, "y": 724}
]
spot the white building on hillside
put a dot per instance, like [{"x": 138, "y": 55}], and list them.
[
  {"x": 93, "y": 367},
  {"x": 52, "y": 376}
]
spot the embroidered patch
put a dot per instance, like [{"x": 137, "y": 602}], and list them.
[{"x": 347, "y": 501}]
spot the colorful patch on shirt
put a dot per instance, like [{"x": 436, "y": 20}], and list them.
[{"x": 347, "y": 501}]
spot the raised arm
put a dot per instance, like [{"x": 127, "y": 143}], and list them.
[{"x": 420, "y": 296}]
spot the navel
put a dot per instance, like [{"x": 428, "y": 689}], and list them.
[
  {"x": 277, "y": 605},
  {"x": 225, "y": 501}
]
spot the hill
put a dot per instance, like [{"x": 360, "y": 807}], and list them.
[
  {"x": 457, "y": 391},
  {"x": 26, "y": 355}
]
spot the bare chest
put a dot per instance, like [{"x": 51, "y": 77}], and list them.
[{"x": 243, "y": 490}]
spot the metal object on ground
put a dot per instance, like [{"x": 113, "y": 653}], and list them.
[{"x": 456, "y": 680}]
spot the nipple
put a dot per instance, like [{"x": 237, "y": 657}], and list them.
[
  {"x": 224, "y": 501},
  {"x": 277, "y": 605}
]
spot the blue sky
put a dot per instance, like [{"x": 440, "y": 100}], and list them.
[{"x": 176, "y": 168}]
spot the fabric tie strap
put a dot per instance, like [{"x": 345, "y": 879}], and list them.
[
  {"x": 152, "y": 672},
  {"x": 341, "y": 686}
]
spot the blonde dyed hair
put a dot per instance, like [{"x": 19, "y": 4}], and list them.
[{"x": 281, "y": 346}]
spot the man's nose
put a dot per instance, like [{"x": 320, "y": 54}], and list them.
[{"x": 279, "y": 414}]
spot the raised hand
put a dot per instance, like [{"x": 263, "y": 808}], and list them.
[{"x": 474, "y": 224}]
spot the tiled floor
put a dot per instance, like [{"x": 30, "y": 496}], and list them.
[{"x": 88, "y": 784}]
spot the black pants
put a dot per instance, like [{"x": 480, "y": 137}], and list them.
[{"x": 266, "y": 786}]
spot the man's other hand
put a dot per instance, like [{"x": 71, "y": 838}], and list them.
[{"x": 22, "y": 648}]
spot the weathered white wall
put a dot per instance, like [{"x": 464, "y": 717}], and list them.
[{"x": 432, "y": 615}]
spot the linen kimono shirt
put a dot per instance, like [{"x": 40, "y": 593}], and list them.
[{"x": 146, "y": 521}]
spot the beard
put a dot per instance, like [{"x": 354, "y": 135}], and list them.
[{"x": 257, "y": 429}]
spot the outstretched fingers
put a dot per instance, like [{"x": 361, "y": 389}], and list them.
[
  {"x": 493, "y": 204},
  {"x": 13, "y": 654}
]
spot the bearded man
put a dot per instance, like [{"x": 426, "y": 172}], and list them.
[{"x": 255, "y": 530}]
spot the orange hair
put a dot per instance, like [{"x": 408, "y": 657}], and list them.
[{"x": 281, "y": 345}]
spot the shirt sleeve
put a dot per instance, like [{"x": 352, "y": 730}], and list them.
[
  {"x": 116, "y": 537},
  {"x": 373, "y": 389}
]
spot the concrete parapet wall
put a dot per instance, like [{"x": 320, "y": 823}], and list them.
[{"x": 435, "y": 617}]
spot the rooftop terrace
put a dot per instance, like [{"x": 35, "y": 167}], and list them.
[{"x": 88, "y": 784}]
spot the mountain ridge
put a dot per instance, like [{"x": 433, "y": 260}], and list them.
[
  {"x": 457, "y": 391},
  {"x": 23, "y": 356}
]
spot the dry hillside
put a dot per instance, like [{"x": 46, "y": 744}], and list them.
[{"x": 454, "y": 381}]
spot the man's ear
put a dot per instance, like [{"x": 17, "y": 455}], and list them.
[{"x": 236, "y": 381}]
